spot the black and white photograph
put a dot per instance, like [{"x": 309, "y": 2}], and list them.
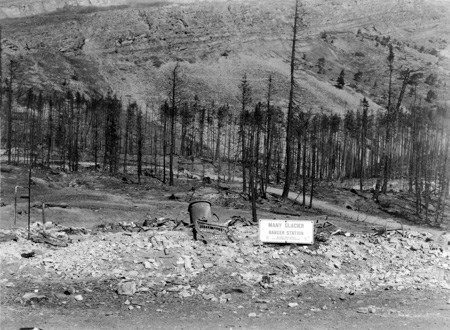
[{"x": 224, "y": 164}]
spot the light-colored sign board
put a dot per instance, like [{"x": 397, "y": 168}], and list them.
[{"x": 286, "y": 231}]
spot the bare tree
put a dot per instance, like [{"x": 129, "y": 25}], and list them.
[
  {"x": 131, "y": 109},
  {"x": 9, "y": 138},
  {"x": 245, "y": 102},
  {"x": 268, "y": 142},
  {"x": 365, "y": 109},
  {"x": 387, "y": 157},
  {"x": 1, "y": 71},
  {"x": 140, "y": 144},
  {"x": 173, "y": 112},
  {"x": 290, "y": 112},
  {"x": 165, "y": 110}
]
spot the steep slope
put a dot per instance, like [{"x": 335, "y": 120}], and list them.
[
  {"x": 130, "y": 48},
  {"x": 23, "y": 8}
]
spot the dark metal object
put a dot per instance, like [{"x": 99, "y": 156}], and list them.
[{"x": 201, "y": 210}]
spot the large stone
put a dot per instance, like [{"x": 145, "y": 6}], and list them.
[
  {"x": 126, "y": 288},
  {"x": 362, "y": 310},
  {"x": 33, "y": 296}
]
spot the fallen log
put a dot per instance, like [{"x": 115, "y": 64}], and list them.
[
  {"x": 7, "y": 237},
  {"x": 50, "y": 240}
]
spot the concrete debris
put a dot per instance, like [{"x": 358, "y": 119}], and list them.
[
  {"x": 240, "y": 260},
  {"x": 167, "y": 262},
  {"x": 33, "y": 296},
  {"x": 362, "y": 310},
  {"x": 372, "y": 309},
  {"x": 126, "y": 288}
]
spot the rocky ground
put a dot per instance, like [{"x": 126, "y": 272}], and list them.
[{"x": 151, "y": 272}]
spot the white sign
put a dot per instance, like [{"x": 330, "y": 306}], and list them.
[{"x": 286, "y": 231}]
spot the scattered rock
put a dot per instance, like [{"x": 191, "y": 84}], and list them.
[
  {"x": 137, "y": 259},
  {"x": 40, "y": 181},
  {"x": 362, "y": 310},
  {"x": 209, "y": 296},
  {"x": 6, "y": 237},
  {"x": 126, "y": 288},
  {"x": 32, "y": 296},
  {"x": 133, "y": 273}
]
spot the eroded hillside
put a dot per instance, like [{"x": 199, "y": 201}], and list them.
[{"x": 131, "y": 49}]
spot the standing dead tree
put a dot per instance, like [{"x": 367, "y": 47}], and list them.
[
  {"x": 290, "y": 112},
  {"x": 140, "y": 144},
  {"x": 246, "y": 99}
]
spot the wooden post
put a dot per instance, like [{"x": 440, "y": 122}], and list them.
[
  {"x": 29, "y": 201},
  {"x": 43, "y": 215},
  {"x": 15, "y": 205}
]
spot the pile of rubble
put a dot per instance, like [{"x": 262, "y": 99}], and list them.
[{"x": 170, "y": 262}]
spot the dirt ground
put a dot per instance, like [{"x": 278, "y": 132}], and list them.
[{"x": 104, "y": 267}]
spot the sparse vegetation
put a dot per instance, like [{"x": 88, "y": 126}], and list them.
[
  {"x": 431, "y": 96},
  {"x": 340, "y": 82},
  {"x": 358, "y": 76},
  {"x": 431, "y": 79},
  {"x": 321, "y": 65}
]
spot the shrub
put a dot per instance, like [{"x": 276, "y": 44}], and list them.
[
  {"x": 431, "y": 96},
  {"x": 341, "y": 80}
]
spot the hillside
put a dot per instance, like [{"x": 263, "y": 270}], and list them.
[{"x": 130, "y": 47}]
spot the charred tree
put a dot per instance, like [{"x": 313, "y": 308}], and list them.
[
  {"x": 245, "y": 103},
  {"x": 290, "y": 112},
  {"x": 140, "y": 144},
  {"x": 365, "y": 109},
  {"x": 387, "y": 156}
]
